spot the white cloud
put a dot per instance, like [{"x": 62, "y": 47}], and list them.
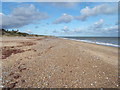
[
  {"x": 28, "y": 31},
  {"x": 99, "y": 23},
  {"x": 22, "y": 16},
  {"x": 77, "y": 30},
  {"x": 99, "y": 26},
  {"x": 60, "y": 0},
  {"x": 1, "y": 14},
  {"x": 96, "y": 28},
  {"x": 104, "y": 9},
  {"x": 112, "y": 28},
  {"x": 65, "y": 18},
  {"x": 65, "y": 29},
  {"x": 64, "y": 4}
]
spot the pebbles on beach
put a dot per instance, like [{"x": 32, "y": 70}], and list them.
[{"x": 48, "y": 63}]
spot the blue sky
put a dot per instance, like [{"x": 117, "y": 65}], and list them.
[{"x": 62, "y": 19}]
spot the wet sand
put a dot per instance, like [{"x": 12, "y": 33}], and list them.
[{"x": 49, "y": 62}]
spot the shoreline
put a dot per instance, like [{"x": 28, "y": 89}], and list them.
[
  {"x": 50, "y": 62},
  {"x": 97, "y": 43}
]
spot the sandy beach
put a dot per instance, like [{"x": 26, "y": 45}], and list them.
[{"x": 49, "y": 62}]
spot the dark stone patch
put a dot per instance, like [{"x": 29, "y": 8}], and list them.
[
  {"x": 23, "y": 81},
  {"x": 12, "y": 85},
  {"x": 11, "y": 74},
  {"x": 22, "y": 67},
  {"x": 27, "y": 43},
  {"x": 16, "y": 76},
  {"x": 6, "y": 52},
  {"x": 50, "y": 47}
]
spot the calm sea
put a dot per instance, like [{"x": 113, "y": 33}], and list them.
[{"x": 108, "y": 41}]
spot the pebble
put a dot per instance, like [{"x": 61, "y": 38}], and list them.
[
  {"x": 22, "y": 67},
  {"x": 117, "y": 85},
  {"x": 95, "y": 76},
  {"x": 12, "y": 85},
  {"x": 95, "y": 82},
  {"x": 97, "y": 58},
  {"x": 65, "y": 86},
  {"x": 103, "y": 72},
  {"x": 23, "y": 81},
  {"x": 95, "y": 66},
  {"x": 83, "y": 72},
  {"x": 71, "y": 71},
  {"x": 16, "y": 76},
  {"x": 91, "y": 84},
  {"x": 11, "y": 73},
  {"x": 107, "y": 78}
]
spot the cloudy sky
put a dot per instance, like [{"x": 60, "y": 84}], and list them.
[{"x": 62, "y": 18}]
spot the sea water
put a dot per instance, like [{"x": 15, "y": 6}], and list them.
[{"x": 107, "y": 41}]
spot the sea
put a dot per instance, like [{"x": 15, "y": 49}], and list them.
[{"x": 107, "y": 41}]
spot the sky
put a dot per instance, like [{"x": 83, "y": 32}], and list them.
[{"x": 61, "y": 18}]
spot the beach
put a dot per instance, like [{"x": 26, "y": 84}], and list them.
[{"x": 50, "y": 62}]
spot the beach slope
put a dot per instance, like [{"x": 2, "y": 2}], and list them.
[{"x": 49, "y": 62}]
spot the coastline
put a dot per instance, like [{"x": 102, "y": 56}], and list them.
[
  {"x": 97, "y": 43},
  {"x": 49, "y": 62}
]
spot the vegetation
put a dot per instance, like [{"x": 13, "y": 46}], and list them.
[{"x": 15, "y": 33}]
